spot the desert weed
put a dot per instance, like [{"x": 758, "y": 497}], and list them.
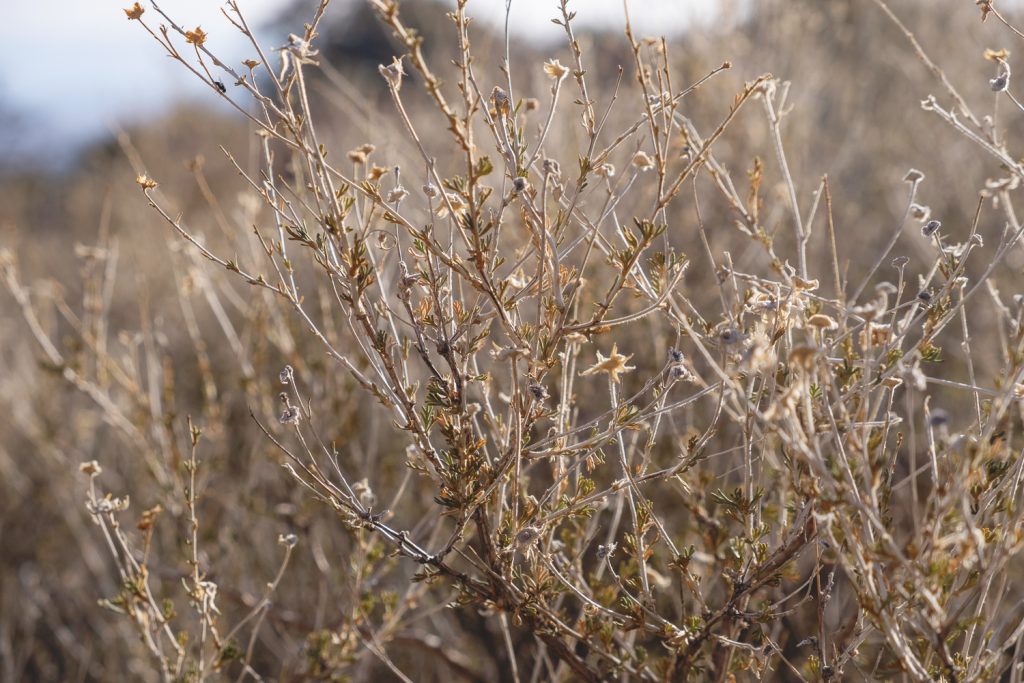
[{"x": 564, "y": 375}]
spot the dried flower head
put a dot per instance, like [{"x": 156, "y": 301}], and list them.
[
  {"x": 804, "y": 285},
  {"x": 996, "y": 55},
  {"x": 555, "y": 70},
  {"x": 109, "y": 504},
  {"x": 134, "y": 12},
  {"x": 393, "y": 73},
  {"x": 892, "y": 382},
  {"x": 680, "y": 373},
  {"x": 552, "y": 167},
  {"x": 575, "y": 338},
  {"x": 287, "y": 375},
  {"x": 91, "y": 468},
  {"x": 930, "y": 228},
  {"x": 642, "y": 161},
  {"x": 678, "y": 370},
  {"x": 358, "y": 155},
  {"x": 145, "y": 182},
  {"x": 822, "y": 322},
  {"x": 149, "y": 517},
  {"x": 614, "y": 364},
  {"x": 195, "y": 37},
  {"x": 500, "y": 100},
  {"x": 1000, "y": 184},
  {"x": 290, "y": 416},
  {"x": 913, "y": 176},
  {"x": 605, "y": 551},
  {"x": 396, "y": 195},
  {"x": 1002, "y": 81},
  {"x": 527, "y": 535},
  {"x": 288, "y": 540}
]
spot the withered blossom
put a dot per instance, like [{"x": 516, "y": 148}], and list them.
[
  {"x": 134, "y": 12},
  {"x": 555, "y": 70},
  {"x": 196, "y": 37},
  {"x": 396, "y": 195},
  {"x": 822, "y": 322},
  {"x": 642, "y": 161},
  {"x": 393, "y": 73},
  {"x": 614, "y": 364},
  {"x": 502, "y": 105},
  {"x": 91, "y": 468}
]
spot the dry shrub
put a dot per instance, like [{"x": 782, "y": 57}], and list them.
[{"x": 571, "y": 375}]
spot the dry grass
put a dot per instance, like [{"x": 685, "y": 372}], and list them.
[{"x": 567, "y": 373}]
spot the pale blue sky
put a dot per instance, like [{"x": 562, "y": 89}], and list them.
[{"x": 72, "y": 69}]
